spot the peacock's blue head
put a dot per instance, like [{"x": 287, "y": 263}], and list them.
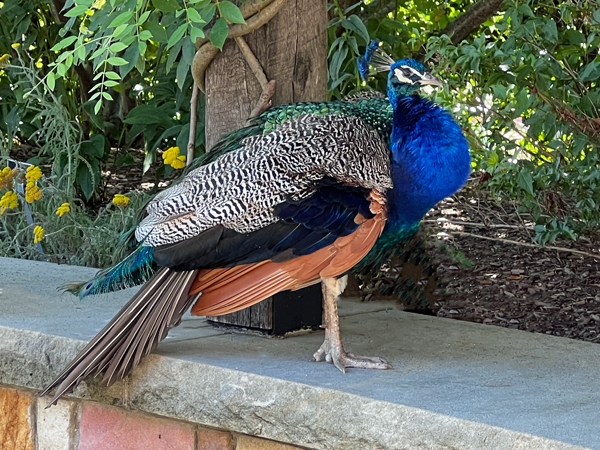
[{"x": 407, "y": 76}]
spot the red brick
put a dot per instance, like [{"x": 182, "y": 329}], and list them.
[
  {"x": 253, "y": 443},
  {"x": 214, "y": 439},
  {"x": 108, "y": 428},
  {"x": 15, "y": 429}
]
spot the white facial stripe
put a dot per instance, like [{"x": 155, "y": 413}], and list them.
[{"x": 398, "y": 74}]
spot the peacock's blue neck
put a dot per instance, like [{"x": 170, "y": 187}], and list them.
[{"x": 429, "y": 160}]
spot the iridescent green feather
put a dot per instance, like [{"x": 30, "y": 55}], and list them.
[{"x": 133, "y": 270}]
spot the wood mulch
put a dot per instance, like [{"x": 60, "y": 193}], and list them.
[{"x": 511, "y": 283}]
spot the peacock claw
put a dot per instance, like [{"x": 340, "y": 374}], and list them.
[{"x": 334, "y": 353}]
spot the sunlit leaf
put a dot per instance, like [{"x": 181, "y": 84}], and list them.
[
  {"x": 218, "y": 33},
  {"x": 76, "y": 11},
  {"x": 50, "y": 80},
  {"x": 121, "y": 19},
  {"x": 194, "y": 16},
  {"x": 117, "y": 61},
  {"x": 117, "y": 47},
  {"x": 231, "y": 12},
  {"x": 177, "y": 35},
  {"x": 196, "y": 33},
  {"x": 64, "y": 43},
  {"x": 112, "y": 75}
]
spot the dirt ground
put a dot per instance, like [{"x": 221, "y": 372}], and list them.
[{"x": 512, "y": 283}]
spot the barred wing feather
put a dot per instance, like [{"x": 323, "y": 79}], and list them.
[{"x": 241, "y": 188}]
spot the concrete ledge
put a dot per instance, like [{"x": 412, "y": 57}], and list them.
[{"x": 455, "y": 385}]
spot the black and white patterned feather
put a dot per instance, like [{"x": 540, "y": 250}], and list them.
[{"x": 240, "y": 189}]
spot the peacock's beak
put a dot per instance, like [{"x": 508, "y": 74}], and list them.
[{"x": 430, "y": 79}]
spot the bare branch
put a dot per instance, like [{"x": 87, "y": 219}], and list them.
[
  {"x": 193, "y": 120},
  {"x": 469, "y": 21},
  {"x": 253, "y": 63},
  {"x": 525, "y": 244}
]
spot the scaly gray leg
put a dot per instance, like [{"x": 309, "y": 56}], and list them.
[{"x": 332, "y": 347}]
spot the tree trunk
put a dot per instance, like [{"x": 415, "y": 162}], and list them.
[{"x": 292, "y": 50}]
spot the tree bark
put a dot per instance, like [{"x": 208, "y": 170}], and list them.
[
  {"x": 292, "y": 49},
  {"x": 469, "y": 21}
]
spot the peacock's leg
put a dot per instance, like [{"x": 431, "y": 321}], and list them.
[{"x": 332, "y": 347}]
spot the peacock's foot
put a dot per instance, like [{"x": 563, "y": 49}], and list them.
[{"x": 335, "y": 353}]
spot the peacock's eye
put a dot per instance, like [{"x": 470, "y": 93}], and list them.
[
  {"x": 406, "y": 72},
  {"x": 89, "y": 285}
]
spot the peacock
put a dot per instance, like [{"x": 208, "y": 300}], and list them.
[{"x": 304, "y": 194}]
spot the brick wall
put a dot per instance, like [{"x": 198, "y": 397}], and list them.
[{"x": 26, "y": 424}]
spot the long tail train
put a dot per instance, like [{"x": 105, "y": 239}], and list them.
[{"x": 134, "y": 332}]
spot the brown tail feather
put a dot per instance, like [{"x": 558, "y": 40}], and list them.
[{"x": 143, "y": 322}]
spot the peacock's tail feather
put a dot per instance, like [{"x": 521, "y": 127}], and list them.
[{"x": 136, "y": 269}]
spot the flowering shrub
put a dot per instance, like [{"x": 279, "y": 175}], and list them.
[
  {"x": 66, "y": 231},
  {"x": 8, "y": 201},
  {"x": 120, "y": 200},
  {"x": 63, "y": 209},
  {"x": 38, "y": 233}
]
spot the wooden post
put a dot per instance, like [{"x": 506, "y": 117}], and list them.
[{"x": 292, "y": 49}]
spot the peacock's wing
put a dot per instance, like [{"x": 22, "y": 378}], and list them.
[
  {"x": 279, "y": 197},
  {"x": 311, "y": 255},
  {"x": 240, "y": 190}
]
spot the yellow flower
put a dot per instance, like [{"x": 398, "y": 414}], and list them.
[
  {"x": 172, "y": 158},
  {"x": 38, "y": 233},
  {"x": 63, "y": 209},
  {"x": 32, "y": 192},
  {"x": 15, "y": 45},
  {"x": 121, "y": 200},
  {"x": 6, "y": 176},
  {"x": 8, "y": 200},
  {"x": 34, "y": 173},
  {"x": 4, "y": 60}
]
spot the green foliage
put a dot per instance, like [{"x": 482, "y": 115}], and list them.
[
  {"x": 402, "y": 26},
  {"x": 117, "y": 36},
  {"x": 524, "y": 87},
  {"x": 526, "y": 91},
  {"x": 162, "y": 119},
  {"x": 76, "y": 163},
  {"x": 77, "y": 237},
  {"x": 92, "y": 71}
]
